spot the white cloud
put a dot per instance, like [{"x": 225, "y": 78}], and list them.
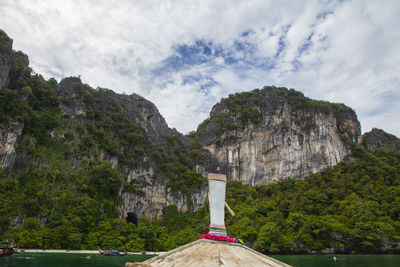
[{"x": 341, "y": 51}]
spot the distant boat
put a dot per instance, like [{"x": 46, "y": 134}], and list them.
[
  {"x": 6, "y": 249},
  {"x": 111, "y": 252}
]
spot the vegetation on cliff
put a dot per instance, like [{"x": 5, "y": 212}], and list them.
[
  {"x": 352, "y": 206},
  {"x": 378, "y": 138},
  {"x": 85, "y": 123},
  {"x": 240, "y": 109},
  {"x": 65, "y": 193},
  {"x": 62, "y": 185}
]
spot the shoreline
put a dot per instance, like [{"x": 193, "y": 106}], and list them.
[
  {"x": 67, "y": 251},
  {"x": 326, "y": 252},
  {"x": 153, "y": 253}
]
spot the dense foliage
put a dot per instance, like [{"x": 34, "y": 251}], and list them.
[
  {"x": 239, "y": 109},
  {"x": 95, "y": 123},
  {"x": 65, "y": 193},
  {"x": 352, "y": 206},
  {"x": 78, "y": 210},
  {"x": 236, "y": 111}
]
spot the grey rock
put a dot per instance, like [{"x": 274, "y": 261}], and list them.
[
  {"x": 290, "y": 140},
  {"x": 8, "y": 140},
  {"x": 5, "y": 58},
  {"x": 378, "y": 138},
  {"x": 154, "y": 196}
]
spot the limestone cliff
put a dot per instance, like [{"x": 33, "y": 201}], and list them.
[
  {"x": 5, "y": 59},
  {"x": 273, "y": 133},
  {"x": 378, "y": 138},
  {"x": 256, "y": 137},
  {"x": 11, "y": 131},
  {"x": 153, "y": 193},
  {"x": 8, "y": 141},
  {"x": 77, "y": 123}
]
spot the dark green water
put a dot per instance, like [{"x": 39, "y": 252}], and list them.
[
  {"x": 92, "y": 260},
  {"x": 341, "y": 260},
  {"x": 67, "y": 260}
]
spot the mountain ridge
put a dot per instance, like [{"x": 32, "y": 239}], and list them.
[
  {"x": 73, "y": 157},
  {"x": 79, "y": 107},
  {"x": 272, "y": 133}
]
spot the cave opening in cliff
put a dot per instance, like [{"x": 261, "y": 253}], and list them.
[{"x": 132, "y": 218}]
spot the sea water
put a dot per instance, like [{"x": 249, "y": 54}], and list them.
[
  {"x": 68, "y": 260},
  {"x": 93, "y": 260},
  {"x": 340, "y": 260}
]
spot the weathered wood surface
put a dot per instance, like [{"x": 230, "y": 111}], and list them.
[
  {"x": 210, "y": 253},
  {"x": 219, "y": 177}
]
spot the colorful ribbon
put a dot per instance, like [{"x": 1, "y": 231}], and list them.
[
  {"x": 216, "y": 229},
  {"x": 219, "y": 238},
  {"x": 218, "y": 233}
]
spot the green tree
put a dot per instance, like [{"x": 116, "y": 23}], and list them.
[{"x": 270, "y": 238}]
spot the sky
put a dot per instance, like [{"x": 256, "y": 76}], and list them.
[{"x": 185, "y": 56}]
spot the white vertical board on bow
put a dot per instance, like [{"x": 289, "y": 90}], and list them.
[{"x": 217, "y": 187}]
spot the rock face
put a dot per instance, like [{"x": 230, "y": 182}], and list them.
[
  {"x": 273, "y": 133},
  {"x": 153, "y": 194},
  {"x": 255, "y": 137},
  {"x": 140, "y": 111},
  {"x": 378, "y": 138},
  {"x": 5, "y": 59},
  {"x": 84, "y": 116},
  {"x": 8, "y": 141}
]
